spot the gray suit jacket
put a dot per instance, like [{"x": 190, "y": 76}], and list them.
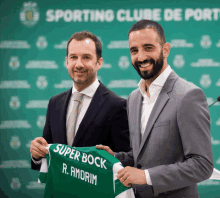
[{"x": 176, "y": 145}]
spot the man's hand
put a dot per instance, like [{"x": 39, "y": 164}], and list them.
[
  {"x": 37, "y": 148},
  {"x": 130, "y": 175},
  {"x": 106, "y": 148}
]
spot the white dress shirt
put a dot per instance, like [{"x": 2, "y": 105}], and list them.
[
  {"x": 148, "y": 103},
  {"x": 87, "y": 98}
]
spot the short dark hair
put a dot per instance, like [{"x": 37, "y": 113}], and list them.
[
  {"x": 79, "y": 36},
  {"x": 142, "y": 24}
]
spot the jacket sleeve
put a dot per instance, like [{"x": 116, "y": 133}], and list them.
[
  {"x": 126, "y": 158},
  {"x": 119, "y": 129}
]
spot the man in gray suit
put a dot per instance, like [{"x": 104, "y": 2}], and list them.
[{"x": 169, "y": 123}]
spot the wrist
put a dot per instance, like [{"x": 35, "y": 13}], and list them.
[{"x": 37, "y": 159}]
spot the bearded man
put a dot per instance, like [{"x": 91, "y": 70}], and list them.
[{"x": 169, "y": 124}]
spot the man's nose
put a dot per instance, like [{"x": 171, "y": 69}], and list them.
[
  {"x": 79, "y": 63},
  {"x": 141, "y": 56}
]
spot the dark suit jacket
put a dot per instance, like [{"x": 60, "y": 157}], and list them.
[
  {"x": 105, "y": 122},
  {"x": 176, "y": 146}
]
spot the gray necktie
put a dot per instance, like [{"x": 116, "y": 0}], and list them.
[{"x": 71, "y": 124}]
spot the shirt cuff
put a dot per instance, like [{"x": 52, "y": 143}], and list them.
[
  {"x": 37, "y": 162},
  {"x": 147, "y": 175}
]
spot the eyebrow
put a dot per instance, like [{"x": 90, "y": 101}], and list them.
[
  {"x": 145, "y": 45},
  {"x": 82, "y": 54},
  {"x": 87, "y": 54},
  {"x": 148, "y": 45}
]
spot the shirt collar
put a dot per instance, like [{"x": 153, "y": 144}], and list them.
[
  {"x": 159, "y": 81},
  {"x": 90, "y": 90}
]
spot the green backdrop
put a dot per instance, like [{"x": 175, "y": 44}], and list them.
[{"x": 33, "y": 48}]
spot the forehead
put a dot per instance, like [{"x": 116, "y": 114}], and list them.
[
  {"x": 84, "y": 46},
  {"x": 142, "y": 37}
]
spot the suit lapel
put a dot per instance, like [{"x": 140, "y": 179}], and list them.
[
  {"x": 65, "y": 102},
  {"x": 94, "y": 107},
  {"x": 158, "y": 106},
  {"x": 135, "y": 110}
]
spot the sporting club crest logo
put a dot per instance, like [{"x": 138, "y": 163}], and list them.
[
  {"x": 29, "y": 14},
  {"x": 206, "y": 42},
  {"x": 42, "y": 82},
  {"x": 205, "y": 80},
  {"x": 14, "y": 103},
  {"x": 178, "y": 61},
  {"x": 41, "y": 42},
  {"x": 15, "y": 142},
  {"x": 123, "y": 62},
  {"x": 14, "y": 62},
  {"x": 15, "y": 184}
]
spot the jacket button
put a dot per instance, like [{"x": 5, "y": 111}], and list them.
[{"x": 139, "y": 166}]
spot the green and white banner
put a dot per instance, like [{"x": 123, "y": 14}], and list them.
[{"x": 33, "y": 39}]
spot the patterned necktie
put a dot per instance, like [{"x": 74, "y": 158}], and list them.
[{"x": 71, "y": 124}]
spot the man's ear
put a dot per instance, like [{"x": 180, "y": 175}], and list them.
[
  {"x": 99, "y": 63},
  {"x": 66, "y": 61},
  {"x": 166, "y": 49}
]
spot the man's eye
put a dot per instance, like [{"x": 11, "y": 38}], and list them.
[
  {"x": 133, "y": 51},
  {"x": 72, "y": 57},
  {"x": 148, "y": 48},
  {"x": 87, "y": 57}
]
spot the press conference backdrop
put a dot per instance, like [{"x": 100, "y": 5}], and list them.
[{"x": 32, "y": 67}]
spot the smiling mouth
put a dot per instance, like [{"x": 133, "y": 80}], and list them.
[
  {"x": 80, "y": 72},
  {"x": 145, "y": 65}
]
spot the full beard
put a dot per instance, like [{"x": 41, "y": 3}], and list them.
[{"x": 157, "y": 66}]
